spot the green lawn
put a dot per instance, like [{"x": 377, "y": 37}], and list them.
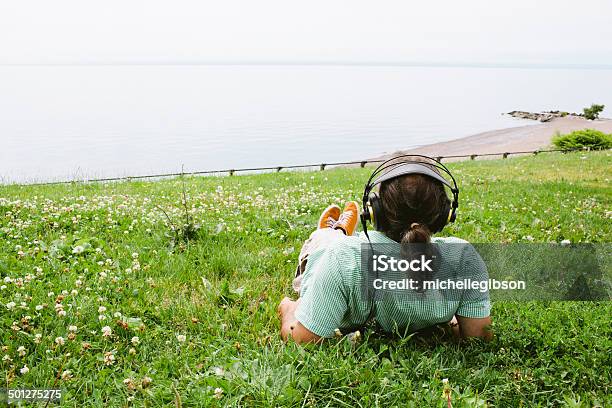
[{"x": 71, "y": 255}]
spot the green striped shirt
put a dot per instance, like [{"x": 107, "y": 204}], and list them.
[{"x": 332, "y": 296}]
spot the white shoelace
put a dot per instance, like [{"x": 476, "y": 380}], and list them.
[
  {"x": 343, "y": 218},
  {"x": 330, "y": 222}
]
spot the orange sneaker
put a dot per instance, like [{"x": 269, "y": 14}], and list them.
[
  {"x": 329, "y": 217},
  {"x": 347, "y": 221}
]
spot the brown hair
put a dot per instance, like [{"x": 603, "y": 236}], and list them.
[{"x": 413, "y": 205}]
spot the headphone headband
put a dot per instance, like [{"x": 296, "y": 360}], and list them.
[
  {"x": 409, "y": 168},
  {"x": 424, "y": 167}
]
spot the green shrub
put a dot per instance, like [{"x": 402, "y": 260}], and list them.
[
  {"x": 587, "y": 138},
  {"x": 593, "y": 112}
]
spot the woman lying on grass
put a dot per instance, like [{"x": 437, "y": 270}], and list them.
[{"x": 329, "y": 278}]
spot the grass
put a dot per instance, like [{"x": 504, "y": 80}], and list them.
[{"x": 105, "y": 255}]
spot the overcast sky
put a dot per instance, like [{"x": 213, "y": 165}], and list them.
[{"x": 373, "y": 31}]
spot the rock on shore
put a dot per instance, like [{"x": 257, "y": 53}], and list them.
[{"x": 543, "y": 116}]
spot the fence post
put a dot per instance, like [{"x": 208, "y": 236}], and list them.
[
  {"x": 363, "y": 163},
  {"x": 278, "y": 169},
  {"x": 535, "y": 152},
  {"x": 231, "y": 172},
  {"x": 322, "y": 167},
  {"x": 505, "y": 156},
  {"x": 472, "y": 157},
  {"x": 439, "y": 158}
]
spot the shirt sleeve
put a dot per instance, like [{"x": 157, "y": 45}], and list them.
[
  {"x": 324, "y": 301},
  {"x": 474, "y": 303}
]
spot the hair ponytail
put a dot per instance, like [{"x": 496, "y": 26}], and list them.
[{"x": 417, "y": 233}]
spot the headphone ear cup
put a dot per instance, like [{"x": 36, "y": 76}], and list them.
[{"x": 377, "y": 213}]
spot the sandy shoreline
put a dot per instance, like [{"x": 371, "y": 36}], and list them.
[{"x": 524, "y": 138}]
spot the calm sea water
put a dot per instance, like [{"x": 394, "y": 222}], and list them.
[{"x": 70, "y": 122}]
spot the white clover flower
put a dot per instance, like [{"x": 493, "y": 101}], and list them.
[
  {"x": 62, "y": 313},
  {"x": 132, "y": 351},
  {"x": 218, "y": 393},
  {"x": 7, "y": 279},
  {"x": 59, "y": 341},
  {"x": 72, "y": 328},
  {"x": 22, "y": 351},
  {"x": 37, "y": 338},
  {"x": 24, "y": 370},
  {"x": 135, "y": 255},
  {"x": 2, "y": 287},
  {"x": 181, "y": 338},
  {"x": 101, "y": 309},
  {"x": 78, "y": 249},
  {"x": 445, "y": 381},
  {"x": 78, "y": 283},
  {"x": 146, "y": 381},
  {"x": 39, "y": 307},
  {"x": 566, "y": 242},
  {"x": 11, "y": 305},
  {"x": 50, "y": 294},
  {"x": 101, "y": 317},
  {"x": 106, "y": 331},
  {"x": 117, "y": 314},
  {"x": 66, "y": 375},
  {"x": 135, "y": 340},
  {"x": 109, "y": 358}
]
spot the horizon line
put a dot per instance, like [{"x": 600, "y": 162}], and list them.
[{"x": 544, "y": 65}]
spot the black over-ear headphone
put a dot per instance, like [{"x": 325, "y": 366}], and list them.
[{"x": 400, "y": 166}]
